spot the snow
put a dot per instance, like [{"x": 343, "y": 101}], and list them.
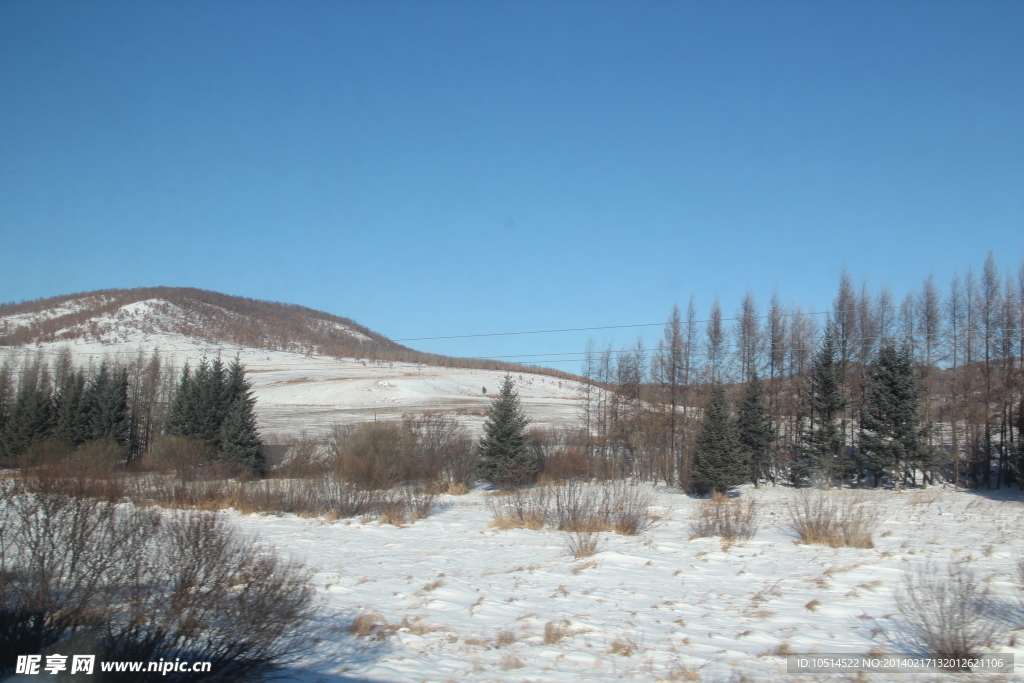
[
  {"x": 298, "y": 392},
  {"x": 457, "y": 584}
]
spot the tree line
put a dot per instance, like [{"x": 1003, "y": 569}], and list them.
[
  {"x": 873, "y": 391},
  {"x": 126, "y": 405}
]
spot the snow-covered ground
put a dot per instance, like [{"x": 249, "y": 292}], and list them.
[
  {"x": 297, "y": 392},
  {"x": 475, "y": 601}
]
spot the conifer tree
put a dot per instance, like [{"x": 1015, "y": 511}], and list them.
[
  {"x": 892, "y": 435},
  {"x": 755, "y": 429},
  {"x": 719, "y": 463},
  {"x": 107, "y": 400},
  {"x": 504, "y": 449},
  {"x": 216, "y": 406},
  {"x": 31, "y": 414},
  {"x": 824, "y": 443},
  {"x": 71, "y": 421},
  {"x": 238, "y": 436}
]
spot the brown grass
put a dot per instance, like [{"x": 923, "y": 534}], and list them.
[
  {"x": 622, "y": 646},
  {"x": 836, "y": 519},
  {"x": 575, "y": 507},
  {"x": 727, "y": 518},
  {"x": 581, "y": 543}
]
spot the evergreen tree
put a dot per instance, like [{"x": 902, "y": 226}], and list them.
[
  {"x": 107, "y": 399},
  {"x": 719, "y": 463},
  {"x": 7, "y": 393},
  {"x": 238, "y": 437},
  {"x": 824, "y": 443},
  {"x": 71, "y": 409},
  {"x": 31, "y": 415},
  {"x": 216, "y": 406},
  {"x": 892, "y": 435},
  {"x": 504, "y": 449},
  {"x": 177, "y": 422},
  {"x": 756, "y": 433}
]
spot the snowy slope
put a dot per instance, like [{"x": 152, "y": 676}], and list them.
[{"x": 298, "y": 391}]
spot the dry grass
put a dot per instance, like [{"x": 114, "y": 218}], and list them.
[
  {"x": 581, "y": 543},
  {"x": 575, "y": 506},
  {"x": 622, "y": 646},
  {"x": 510, "y": 662},
  {"x": 555, "y": 631},
  {"x": 368, "y": 624},
  {"x": 836, "y": 519},
  {"x": 505, "y": 638},
  {"x": 726, "y": 517},
  {"x": 325, "y": 497}
]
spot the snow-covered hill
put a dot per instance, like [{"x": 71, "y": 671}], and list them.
[{"x": 298, "y": 388}]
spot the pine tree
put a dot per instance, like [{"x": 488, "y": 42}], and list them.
[
  {"x": 719, "y": 463},
  {"x": 756, "y": 433},
  {"x": 892, "y": 435},
  {"x": 504, "y": 449},
  {"x": 824, "y": 443}
]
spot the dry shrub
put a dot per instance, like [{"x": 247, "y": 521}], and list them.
[
  {"x": 367, "y": 624},
  {"x": 510, "y": 661},
  {"x": 303, "y": 456},
  {"x": 519, "y": 508},
  {"x": 394, "y": 512},
  {"x": 575, "y": 506},
  {"x": 834, "y": 519},
  {"x": 581, "y": 543},
  {"x": 555, "y": 631},
  {"x": 505, "y": 638},
  {"x": 563, "y": 454},
  {"x": 946, "y": 611},
  {"x": 622, "y": 646},
  {"x": 374, "y": 456},
  {"x": 383, "y": 455},
  {"x": 138, "y": 586},
  {"x": 184, "y": 457},
  {"x": 726, "y": 517},
  {"x": 459, "y": 489},
  {"x": 628, "y": 506}
]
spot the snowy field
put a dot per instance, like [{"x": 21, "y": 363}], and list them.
[{"x": 467, "y": 602}]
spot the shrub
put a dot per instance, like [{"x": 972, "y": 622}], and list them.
[
  {"x": 581, "y": 543},
  {"x": 184, "y": 457},
  {"x": 728, "y": 518},
  {"x": 945, "y": 611},
  {"x": 575, "y": 506},
  {"x": 833, "y": 519},
  {"x": 142, "y": 587}
]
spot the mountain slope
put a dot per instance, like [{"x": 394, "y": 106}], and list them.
[{"x": 309, "y": 369}]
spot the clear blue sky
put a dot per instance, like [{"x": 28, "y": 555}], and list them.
[{"x": 437, "y": 168}]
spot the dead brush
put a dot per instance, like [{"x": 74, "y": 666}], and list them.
[
  {"x": 576, "y": 507},
  {"x": 837, "y": 520},
  {"x": 555, "y": 631},
  {"x": 581, "y": 544},
  {"x": 728, "y": 518},
  {"x": 947, "y": 612}
]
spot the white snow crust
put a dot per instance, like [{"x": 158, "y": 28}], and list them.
[{"x": 720, "y": 613}]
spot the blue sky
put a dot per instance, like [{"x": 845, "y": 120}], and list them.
[{"x": 446, "y": 168}]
